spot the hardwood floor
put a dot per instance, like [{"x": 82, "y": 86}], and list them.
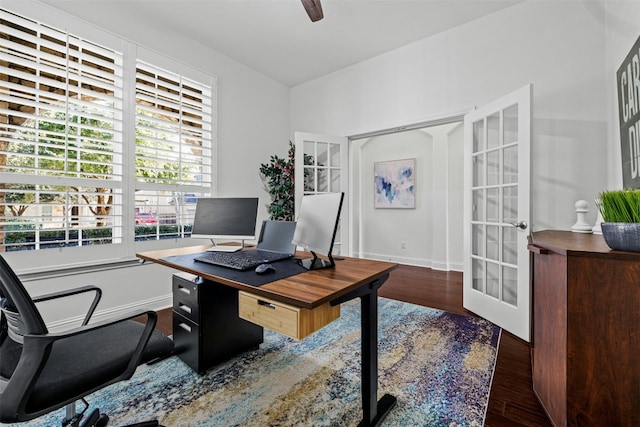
[{"x": 512, "y": 401}]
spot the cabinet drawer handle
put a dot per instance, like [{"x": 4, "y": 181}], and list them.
[
  {"x": 266, "y": 304},
  {"x": 185, "y": 327},
  {"x": 185, "y": 290},
  {"x": 537, "y": 249},
  {"x": 184, "y": 308}
]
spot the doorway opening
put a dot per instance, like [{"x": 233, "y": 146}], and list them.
[{"x": 430, "y": 234}]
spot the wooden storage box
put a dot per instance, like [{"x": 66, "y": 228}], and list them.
[{"x": 291, "y": 321}]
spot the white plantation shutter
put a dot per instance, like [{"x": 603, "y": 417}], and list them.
[
  {"x": 173, "y": 149},
  {"x": 63, "y": 95},
  {"x": 61, "y": 108},
  {"x": 173, "y": 130}
]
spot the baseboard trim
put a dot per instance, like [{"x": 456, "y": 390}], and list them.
[{"x": 418, "y": 262}]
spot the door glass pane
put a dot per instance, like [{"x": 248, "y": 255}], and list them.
[
  {"x": 323, "y": 180},
  {"x": 493, "y": 280},
  {"x": 477, "y": 239},
  {"x": 510, "y": 285},
  {"x": 493, "y": 167},
  {"x": 310, "y": 180},
  {"x": 334, "y": 159},
  {"x": 509, "y": 245},
  {"x": 493, "y": 198},
  {"x": 510, "y": 165},
  {"x": 477, "y": 210},
  {"x": 322, "y": 154},
  {"x": 478, "y": 170},
  {"x": 478, "y": 136},
  {"x": 335, "y": 180},
  {"x": 510, "y": 117},
  {"x": 493, "y": 131},
  {"x": 493, "y": 242},
  {"x": 478, "y": 274},
  {"x": 309, "y": 153},
  {"x": 510, "y": 204}
]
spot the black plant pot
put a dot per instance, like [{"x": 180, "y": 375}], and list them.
[{"x": 622, "y": 236}]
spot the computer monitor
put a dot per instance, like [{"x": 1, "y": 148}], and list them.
[
  {"x": 316, "y": 227},
  {"x": 275, "y": 236},
  {"x": 225, "y": 218}
]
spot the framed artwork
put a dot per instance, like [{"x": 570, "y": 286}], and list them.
[
  {"x": 629, "y": 117},
  {"x": 395, "y": 184}
]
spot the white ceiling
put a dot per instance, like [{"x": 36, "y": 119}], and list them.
[{"x": 277, "y": 38}]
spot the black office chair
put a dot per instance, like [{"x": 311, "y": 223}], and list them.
[{"x": 42, "y": 371}]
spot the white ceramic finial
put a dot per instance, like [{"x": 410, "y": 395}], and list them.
[{"x": 581, "y": 225}]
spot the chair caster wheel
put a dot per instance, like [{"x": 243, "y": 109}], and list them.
[{"x": 102, "y": 421}]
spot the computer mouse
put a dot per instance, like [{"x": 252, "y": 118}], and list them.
[{"x": 265, "y": 268}]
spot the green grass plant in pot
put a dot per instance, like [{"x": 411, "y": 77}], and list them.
[{"x": 620, "y": 211}]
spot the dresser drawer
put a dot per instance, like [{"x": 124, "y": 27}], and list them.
[{"x": 291, "y": 321}]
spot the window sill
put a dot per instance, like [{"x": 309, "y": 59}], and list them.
[{"x": 28, "y": 275}]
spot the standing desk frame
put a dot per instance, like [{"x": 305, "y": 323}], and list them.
[{"x": 351, "y": 278}]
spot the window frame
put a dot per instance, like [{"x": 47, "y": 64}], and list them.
[{"x": 132, "y": 53}]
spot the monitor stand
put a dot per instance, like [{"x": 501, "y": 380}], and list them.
[
  {"x": 316, "y": 263},
  {"x": 225, "y": 248}
]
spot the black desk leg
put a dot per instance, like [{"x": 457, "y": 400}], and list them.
[{"x": 373, "y": 411}]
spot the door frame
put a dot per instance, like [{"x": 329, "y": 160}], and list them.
[{"x": 355, "y": 157}]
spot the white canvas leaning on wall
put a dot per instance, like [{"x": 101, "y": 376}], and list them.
[{"x": 394, "y": 182}]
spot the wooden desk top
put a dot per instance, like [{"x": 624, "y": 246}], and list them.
[{"x": 307, "y": 290}]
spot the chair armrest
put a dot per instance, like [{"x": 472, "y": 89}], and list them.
[
  {"x": 75, "y": 291},
  {"x": 36, "y": 348}
]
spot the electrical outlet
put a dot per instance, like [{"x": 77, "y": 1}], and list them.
[{"x": 403, "y": 245}]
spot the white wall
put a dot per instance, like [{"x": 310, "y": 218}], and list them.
[
  {"x": 432, "y": 232},
  {"x": 253, "y": 123},
  {"x": 559, "y": 47}
]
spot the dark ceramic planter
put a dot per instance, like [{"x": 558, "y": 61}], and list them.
[{"x": 622, "y": 236}]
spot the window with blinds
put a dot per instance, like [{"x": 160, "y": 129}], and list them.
[
  {"x": 63, "y": 162},
  {"x": 173, "y": 150}
]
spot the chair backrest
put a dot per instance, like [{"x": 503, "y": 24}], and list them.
[{"x": 17, "y": 300}]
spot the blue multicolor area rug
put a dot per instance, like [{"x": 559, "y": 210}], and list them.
[{"x": 438, "y": 365}]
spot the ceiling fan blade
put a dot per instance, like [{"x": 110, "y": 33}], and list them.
[{"x": 314, "y": 9}]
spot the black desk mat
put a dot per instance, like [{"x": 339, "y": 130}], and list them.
[{"x": 284, "y": 269}]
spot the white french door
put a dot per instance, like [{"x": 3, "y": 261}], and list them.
[
  {"x": 497, "y": 212},
  {"x": 321, "y": 166}
]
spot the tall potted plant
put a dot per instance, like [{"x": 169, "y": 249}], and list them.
[
  {"x": 279, "y": 179},
  {"x": 278, "y": 176},
  {"x": 620, "y": 211}
]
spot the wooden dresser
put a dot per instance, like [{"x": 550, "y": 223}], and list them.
[{"x": 586, "y": 330}]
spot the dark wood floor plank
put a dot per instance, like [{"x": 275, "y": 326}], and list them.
[{"x": 512, "y": 402}]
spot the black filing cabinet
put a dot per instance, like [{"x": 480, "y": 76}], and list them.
[{"x": 206, "y": 326}]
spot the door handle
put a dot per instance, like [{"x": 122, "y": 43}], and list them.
[{"x": 521, "y": 225}]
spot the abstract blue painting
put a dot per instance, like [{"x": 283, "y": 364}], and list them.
[{"x": 395, "y": 184}]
